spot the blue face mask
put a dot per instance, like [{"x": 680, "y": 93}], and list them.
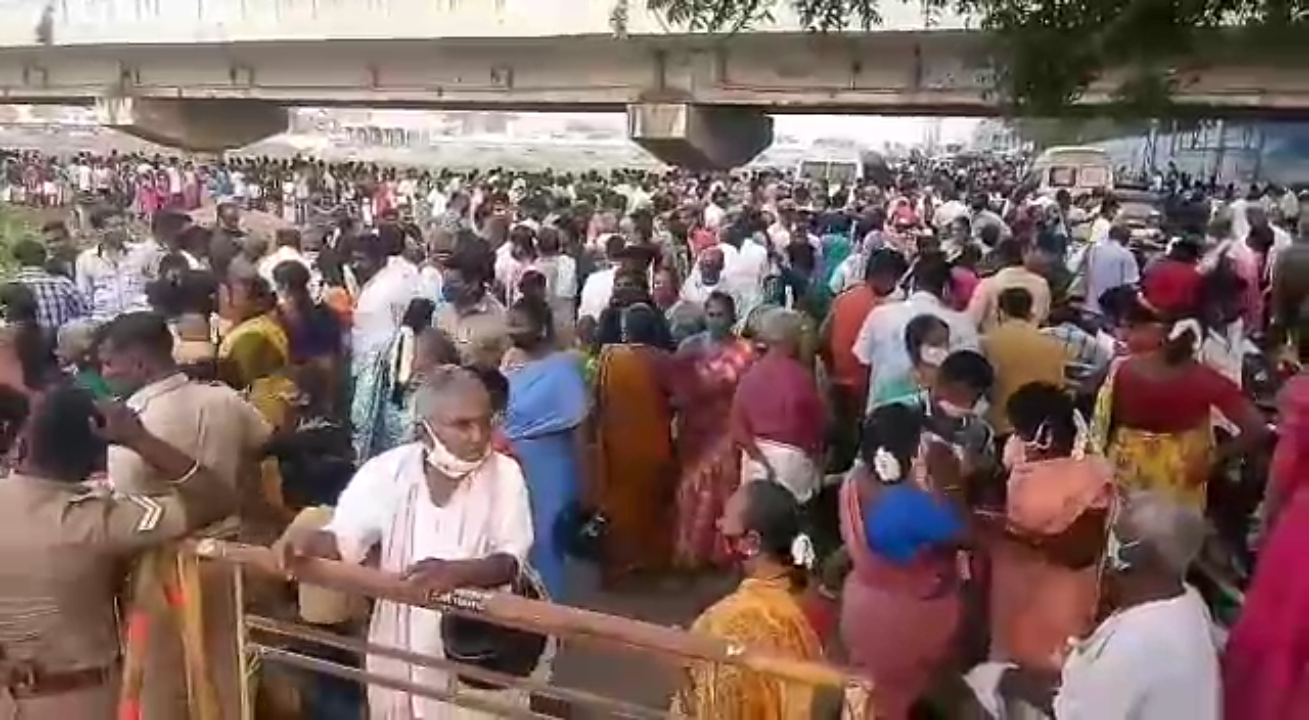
[{"x": 449, "y": 293}]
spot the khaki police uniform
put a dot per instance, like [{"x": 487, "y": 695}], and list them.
[
  {"x": 480, "y": 332},
  {"x": 64, "y": 553},
  {"x": 226, "y": 434}
]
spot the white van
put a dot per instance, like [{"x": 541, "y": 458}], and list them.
[{"x": 1079, "y": 170}]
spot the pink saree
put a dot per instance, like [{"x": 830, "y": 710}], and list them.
[
  {"x": 898, "y": 622},
  {"x": 1266, "y": 663}
]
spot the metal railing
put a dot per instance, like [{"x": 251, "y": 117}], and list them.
[{"x": 566, "y": 624}]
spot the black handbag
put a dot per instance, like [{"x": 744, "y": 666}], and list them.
[{"x": 493, "y": 647}]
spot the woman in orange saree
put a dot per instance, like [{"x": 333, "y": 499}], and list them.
[{"x": 636, "y": 470}]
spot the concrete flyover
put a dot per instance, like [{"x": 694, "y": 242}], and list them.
[{"x": 691, "y": 99}]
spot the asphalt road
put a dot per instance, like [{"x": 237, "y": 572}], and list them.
[{"x": 623, "y": 673}]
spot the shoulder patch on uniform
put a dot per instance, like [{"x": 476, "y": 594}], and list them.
[{"x": 151, "y": 512}]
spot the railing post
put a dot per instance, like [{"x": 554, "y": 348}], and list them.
[{"x": 247, "y": 663}]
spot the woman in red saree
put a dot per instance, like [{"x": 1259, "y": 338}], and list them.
[
  {"x": 711, "y": 363},
  {"x": 1266, "y": 663}
]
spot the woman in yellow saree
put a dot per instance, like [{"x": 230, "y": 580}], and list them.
[
  {"x": 761, "y": 524},
  {"x": 1153, "y": 415},
  {"x": 255, "y": 356}
]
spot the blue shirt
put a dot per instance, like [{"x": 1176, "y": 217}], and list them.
[{"x": 1108, "y": 265}]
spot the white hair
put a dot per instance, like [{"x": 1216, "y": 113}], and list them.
[
  {"x": 1175, "y": 532},
  {"x": 780, "y": 325},
  {"x": 440, "y": 385}
]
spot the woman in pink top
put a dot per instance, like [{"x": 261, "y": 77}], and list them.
[
  {"x": 1045, "y": 565},
  {"x": 778, "y": 418}
]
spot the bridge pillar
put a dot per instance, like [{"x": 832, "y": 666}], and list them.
[
  {"x": 194, "y": 125},
  {"x": 700, "y": 137}
]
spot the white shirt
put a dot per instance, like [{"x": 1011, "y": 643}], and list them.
[
  {"x": 596, "y": 291},
  {"x": 174, "y": 180},
  {"x": 488, "y": 514},
  {"x": 745, "y": 275},
  {"x": 1156, "y": 661},
  {"x": 696, "y": 291},
  {"x": 947, "y": 213},
  {"x": 565, "y": 281},
  {"x": 1281, "y": 241},
  {"x": 431, "y": 284},
  {"x": 436, "y": 201},
  {"x": 881, "y": 344},
  {"x": 277, "y": 257},
  {"x": 83, "y": 173},
  {"x": 113, "y": 283},
  {"x": 381, "y": 304},
  {"x": 713, "y": 216},
  {"x": 1100, "y": 230}
]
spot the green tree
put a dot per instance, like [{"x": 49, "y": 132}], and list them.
[{"x": 1046, "y": 52}]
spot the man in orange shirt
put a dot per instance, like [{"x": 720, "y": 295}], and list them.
[{"x": 847, "y": 376}]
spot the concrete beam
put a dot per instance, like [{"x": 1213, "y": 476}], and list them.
[
  {"x": 194, "y": 125},
  {"x": 912, "y": 73},
  {"x": 700, "y": 137}
]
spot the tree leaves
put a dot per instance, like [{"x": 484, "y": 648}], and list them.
[{"x": 1046, "y": 53}]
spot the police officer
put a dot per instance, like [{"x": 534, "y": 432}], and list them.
[{"x": 64, "y": 547}]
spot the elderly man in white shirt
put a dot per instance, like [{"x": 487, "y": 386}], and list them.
[
  {"x": 1154, "y": 658},
  {"x": 446, "y": 512}
]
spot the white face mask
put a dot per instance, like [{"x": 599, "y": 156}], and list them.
[
  {"x": 1113, "y": 552},
  {"x": 445, "y": 462},
  {"x": 933, "y": 355}
]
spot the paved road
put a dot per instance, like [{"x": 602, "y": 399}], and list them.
[{"x": 626, "y": 674}]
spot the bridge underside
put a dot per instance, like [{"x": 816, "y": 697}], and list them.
[{"x": 720, "y": 83}]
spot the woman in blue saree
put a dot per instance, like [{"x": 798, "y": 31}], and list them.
[{"x": 548, "y": 404}]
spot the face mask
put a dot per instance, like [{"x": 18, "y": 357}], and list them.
[
  {"x": 933, "y": 355},
  {"x": 1114, "y": 552},
  {"x": 445, "y": 462},
  {"x": 952, "y": 410}
]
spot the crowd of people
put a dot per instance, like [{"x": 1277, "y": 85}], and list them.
[{"x": 939, "y": 451}]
